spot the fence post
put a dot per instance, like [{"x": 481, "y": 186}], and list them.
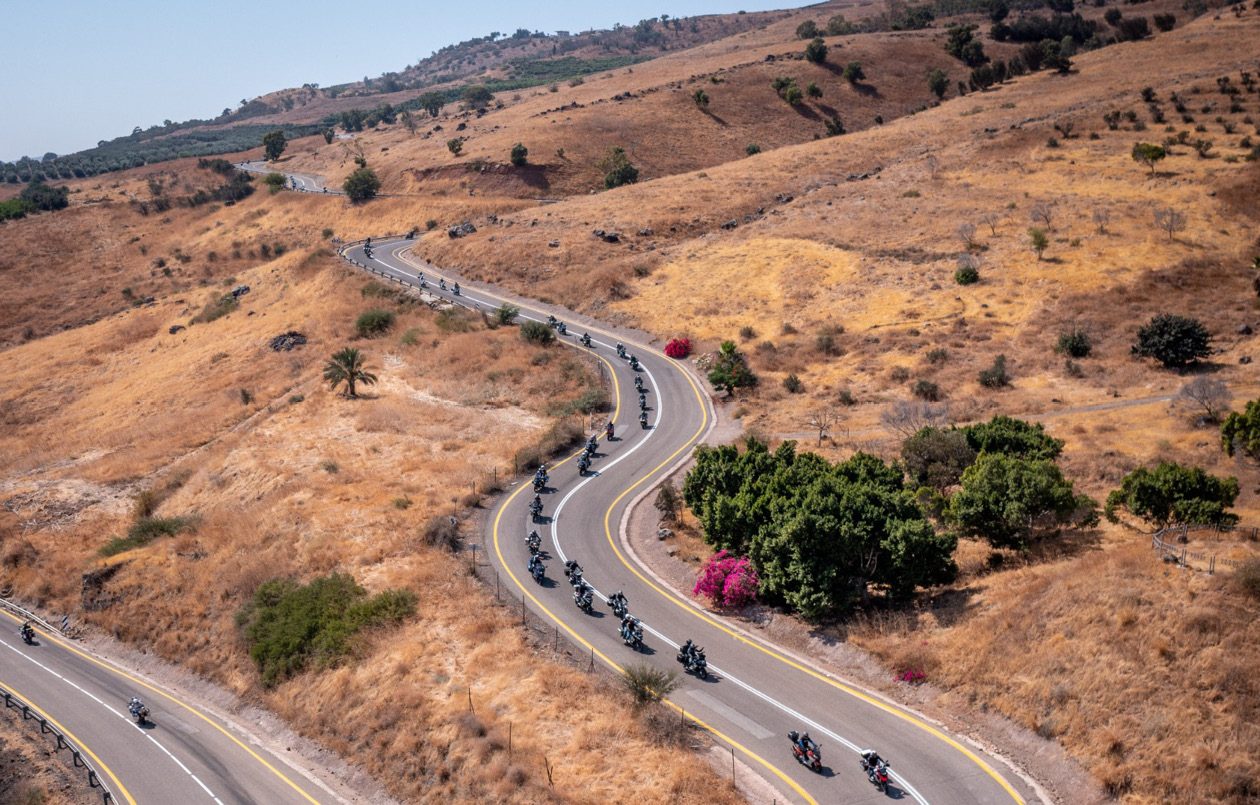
[{"x": 470, "y": 707}]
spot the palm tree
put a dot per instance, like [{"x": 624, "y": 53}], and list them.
[{"x": 347, "y": 367}]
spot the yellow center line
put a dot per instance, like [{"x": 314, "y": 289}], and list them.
[
  {"x": 122, "y": 789},
  {"x": 124, "y": 674}
]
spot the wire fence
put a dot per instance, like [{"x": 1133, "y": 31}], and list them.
[
  {"x": 1171, "y": 544},
  {"x": 46, "y": 727}
]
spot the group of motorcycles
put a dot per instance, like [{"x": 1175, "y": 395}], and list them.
[{"x": 807, "y": 752}]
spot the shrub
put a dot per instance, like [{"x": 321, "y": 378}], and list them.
[
  {"x": 936, "y": 457},
  {"x": 455, "y": 145},
  {"x": 361, "y": 185},
  {"x": 853, "y": 72},
  {"x": 752, "y": 148},
  {"x": 519, "y": 155},
  {"x": 793, "y": 384},
  {"x": 1013, "y": 437},
  {"x": 678, "y": 348},
  {"x": 807, "y": 30},
  {"x": 617, "y": 169},
  {"x": 146, "y": 529},
  {"x": 727, "y": 581},
  {"x": 668, "y": 502},
  {"x": 506, "y": 314},
  {"x": 327, "y": 233},
  {"x": 926, "y": 390},
  {"x": 816, "y": 51},
  {"x": 216, "y": 308},
  {"x": 290, "y": 626},
  {"x": 374, "y": 322},
  {"x": 1148, "y": 154},
  {"x": 1241, "y": 432},
  {"x": 1172, "y": 493},
  {"x": 440, "y": 532},
  {"x": 1038, "y": 241},
  {"x": 275, "y": 181},
  {"x": 648, "y": 684},
  {"x": 1074, "y": 343},
  {"x": 701, "y": 98},
  {"x": 536, "y": 332},
  {"x": 730, "y": 369},
  {"x": 967, "y": 274},
  {"x": 995, "y": 377},
  {"x": 1247, "y": 578},
  {"x": 40, "y": 196},
  {"x": 1175, "y": 341}
]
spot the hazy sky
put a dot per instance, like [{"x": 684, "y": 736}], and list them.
[{"x": 79, "y": 71}]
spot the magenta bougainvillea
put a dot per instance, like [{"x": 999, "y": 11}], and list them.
[
  {"x": 727, "y": 581},
  {"x": 678, "y": 348}
]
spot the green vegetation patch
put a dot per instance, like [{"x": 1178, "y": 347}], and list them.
[
  {"x": 145, "y": 530},
  {"x": 291, "y": 627}
]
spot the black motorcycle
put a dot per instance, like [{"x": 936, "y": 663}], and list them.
[
  {"x": 693, "y": 662},
  {"x": 632, "y": 632},
  {"x": 586, "y": 339},
  {"x": 583, "y": 596},
  {"x": 536, "y": 568},
  {"x": 28, "y": 634},
  {"x": 619, "y": 605},
  {"x": 643, "y": 419}
]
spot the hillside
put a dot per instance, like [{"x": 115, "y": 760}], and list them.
[{"x": 829, "y": 260}]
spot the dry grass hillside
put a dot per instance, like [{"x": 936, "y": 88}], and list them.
[{"x": 286, "y": 479}]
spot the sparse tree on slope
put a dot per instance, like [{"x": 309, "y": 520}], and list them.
[{"x": 347, "y": 367}]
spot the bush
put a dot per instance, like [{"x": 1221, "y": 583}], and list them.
[
  {"x": 967, "y": 274},
  {"x": 926, "y": 390},
  {"x": 1175, "y": 341},
  {"x": 1247, "y": 578},
  {"x": 216, "y": 308},
  {"x": 1242, "y": 431},
  {"x": 361, "y": 185},
  {"x": 42, "y": 197},
  {"x": 146, "y": 529},
  {"x": 617, "y": 169},
  {"x": 1172, "y": 493},
  {"x": 995, "y": 377},
  {"x": 936, "y": 457},
  {"x": 374, "y": 322},
  {"x": 519, "y": 155},
  {"x": 535, "y": 332},
  {"x": 807, "y": 30},
  {"x": 816, "y": 51},
  {"x": 730, "y": 369},
  {"x": 1013, "y": 437},
  {"x": 275, "y": 182},
  {"x": 678, "y": 348},
  {"x": 853, "y": 72},
  {"x": 752, "y": 148},
  {"x": 290, "y": 626},
  {"x": 506, "y": 314},
  {"x": 727, "y": 581},
  {"x": 793, "y": 384},
  {"x": 1148, "y": 154},
  {"x": 439, "y": 532},
  {"x": 1074, "y": 343},
  {"x": 1008, "y": 500},
  {"x": 649, "y": 684},
  {"x": 668, "y": 503}
]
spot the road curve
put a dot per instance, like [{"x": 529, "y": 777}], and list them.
[
  {"x": 184, "y": 755},
  {"x": 757, "y": 691}
]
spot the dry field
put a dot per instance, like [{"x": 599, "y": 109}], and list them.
[{"x": 30, "y": 774}]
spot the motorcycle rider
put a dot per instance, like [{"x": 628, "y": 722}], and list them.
[
  {"x": 586, "y": 339},
  {"x": 455, "y": 290},
  {"x": 608, "y": 431},
  {"x": 618, "y": 602},
  {"x": 535, "y": 562},
  {"x": 574, "y": 571},
  {"x": 28, "y": 632},
  {"x": 442, "y": 284},
  {"x": 871, "y": 761},
  {"x": 643, "y": 419}
]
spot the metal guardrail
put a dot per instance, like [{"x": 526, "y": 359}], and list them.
[
  {"x": 31, "y": 616},
  {"x": 11, "y": 701},
  {"x": 1178, "y": 552}
]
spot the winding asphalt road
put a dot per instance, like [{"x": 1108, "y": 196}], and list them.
[
  {"x": 185, "y": 755},
  {"x": 756, "y": 691}
]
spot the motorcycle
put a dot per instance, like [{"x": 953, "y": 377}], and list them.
[
  {"x": 442, "y": 284},
  {"x": 643, "y": 419},
  {"x": 455, "y": 290},
  {"x": 138, "y": 711},
  {"x": 583, "y": 596},
  {"x": 619, "y": 605},
  {"x": 810, "y": 756},
  {"x": 877, "y": 774},
  {"x": 632, "y": 632},
  {"x": 535, "y": 509},
  {"x": 574, "y": 573},
  {"x": 552, "y": 321},
  {"x": 586, "y": 339},
  {"x": 28, "y": 634},
  {"x": 533, "y": 542},
  {"x": 634, "y": 364},
  {"x": 642, "y": 401},
  {"x": 536, "y": 568},
  {"x": 583, "y": 464},
  {"x": 562, "y": 329},
  {"x": 539, "y": 484},
  {"x": 638, "y": 383},
  {"x": 608, "y": 432},
  {"x": 621, "y": 351},
  {"x": 423, "y": 283},
  {"x": 693, "y": 662}
]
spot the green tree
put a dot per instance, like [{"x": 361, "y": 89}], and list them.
[
  {"x": 1148, "y": 154},
  {"x": 1172, "y": 493},
  {"x": 730, "y": 370},
  {"x": 431, "y": 102},
  {"x": 455, "y": 145},
  {"x": 361, "y": 185},
  {"x": 793, "y": 95},
  {"x": 519, "y": 155},
  {"x": 853, "y": 72},
  {"x": 807, "y": 30},
  {"x": 536, "y": 332},
  {"x": 39, "y": 196},
  {"x": 816, "y": 51},
  {"x": 701, "y": 98},
  {"x": 477, "y": 96},
  {"x": 347, "y": 367},
  {"x": 1038, "y": 240},
  {"x": 813, "y": 90},
  {"x": 329, "y": 134},
  {"x": 507, "y": 313},
  {"x": 936, "y": 457},
  {"x": 274, "y": 143},
  {"x": 1175, "y": 341},
  {"x": 1009, "y": 500},
  {"x": 1242, "y": 431},
  {"x": 617, "y": 169},
  {"x": 1013, "y": 437},
  {"x": 938, "y": 82}
]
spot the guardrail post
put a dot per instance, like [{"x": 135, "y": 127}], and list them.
[{"x": 78, "y": 759}]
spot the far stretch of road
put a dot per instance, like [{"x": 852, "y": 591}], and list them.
[
  {"x": 757, "y": 691},
  {"x": 304, "y": 182}
]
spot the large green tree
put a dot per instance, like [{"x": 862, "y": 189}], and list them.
[
  {"x": 361, "y": 185},
  {"x": 1009, "y": 500},
  {"x": 937, "y": 457},
  {"x": 274, "y": 143},
  {"x": 1175, "y": 341},
  {"x": 730, "y": 369},
  {"x": 347, "y": 368},
  {"x": 1014, "y": 437},
  {"x": 1172, "y": 493}
]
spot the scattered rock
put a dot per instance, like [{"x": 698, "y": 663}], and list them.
[
  {"x": 731, "y": 224},
  {"x": 664, "y": 533},
  {"x": 554, "y": 244},
  {"x": 287, "y": 341},
  {"x": 607, "y": 237},
  {"x": 645, "y": 232},
  {"x": 1244, "y": 329},
  {"x": 784, "y": 198},
  {"x": 461, "y": 230},
  {"x": 175, "y": 328},
  {"x": 239, "y": 291},
  {"x": 1244, "y": 360}
]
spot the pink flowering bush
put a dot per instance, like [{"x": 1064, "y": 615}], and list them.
[
  {"x": 727, "y": 581},
  {"x": 678, "y": 348}
]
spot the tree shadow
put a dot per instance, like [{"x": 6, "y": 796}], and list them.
[
  {"x": 951, "y": 606},
  {"x": 717, "y": 119},
  {"x": 864, "y": 89},
  {"x": 534, "y": 176},
  {"x": 806, "y": 111}
]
